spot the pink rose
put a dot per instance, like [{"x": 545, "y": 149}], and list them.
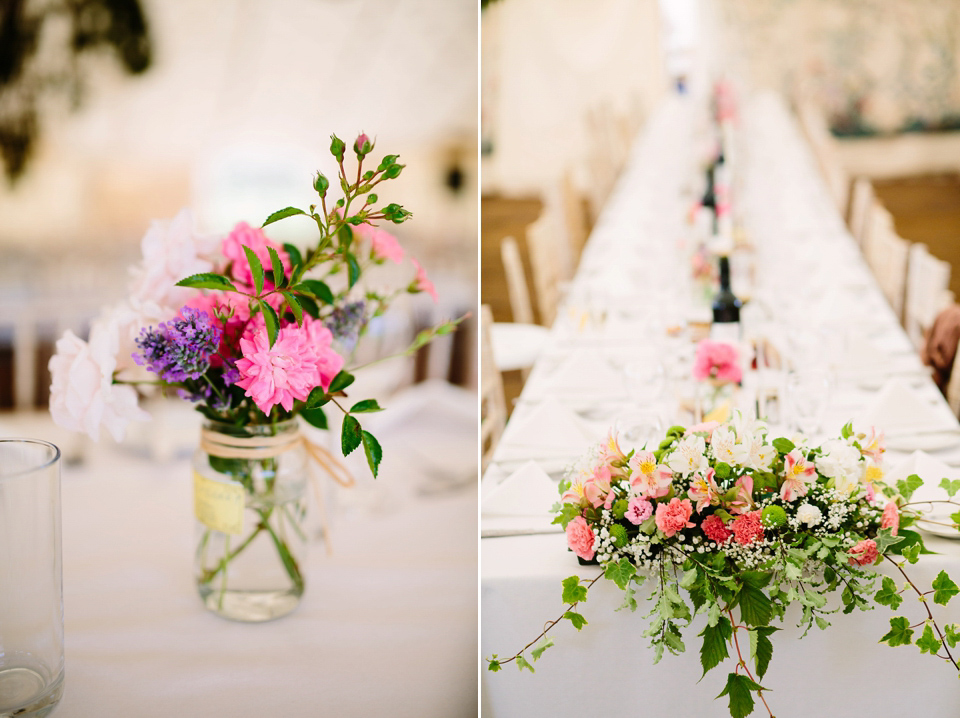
[
  {"x": 864, "y": 553},
  {"x": 747, "y": 528},
  {"x": 383, "y": 245},
  {"x": 715, "y": 529},
  {"x": 580, "y": 538},
  {"x": 891, "y": 518},
  {"x": 638, "y": 510},
  {"x": 717, "y": 360},
  {"x": 362, "y": 144},
  {"x": 243, "y": 235},
  {"x": 674, "y": 516},
  {"x": 421, "y": 283}
]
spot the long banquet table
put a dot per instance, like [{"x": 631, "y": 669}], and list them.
[
  {"x": 818, "y": 298},
  {"x": 387, "y": 626}
]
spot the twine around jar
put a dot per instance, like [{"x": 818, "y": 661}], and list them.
[{"x": 265, "y": 447}]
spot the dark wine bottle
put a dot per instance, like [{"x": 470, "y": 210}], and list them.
[{"x": 726, "y": 308}]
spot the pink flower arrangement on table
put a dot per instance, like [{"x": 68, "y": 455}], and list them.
[
  {"x": 738, "y": 526},
  {"x": 250, "y": 330},
  {"x": 717, "y": 361}
]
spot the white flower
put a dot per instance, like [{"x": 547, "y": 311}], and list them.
[
  {"x": 754, "y": 454},
  {"x": 82, "y": 393},
  {"x": 748, "y": 429},
  {"x": 840, "y": 461},
  {"x": 809, "y": 514},
  {"x": 723, "y": 442},
  {"x": 171, "y": 251},
  {"x": 689, "y": 456}
]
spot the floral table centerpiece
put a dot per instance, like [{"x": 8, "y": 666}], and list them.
[
  {"x": 716, "y": 368},
  {"x": 255, "y": 334},
  {"x": 730, "y": 524}
]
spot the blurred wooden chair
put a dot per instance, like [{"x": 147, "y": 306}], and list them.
[
  {"x": 892, "y": 257},
  {"x": 927, "y": 294},
  {"x": 879, "y": 224},
  {"x": 493, "y": 405},
  {"x": 544, "y": 243},
  {"x": 517, "y": 344},
  {"x": 575, "y": 217},
  {"x": 861, "y": 200}
]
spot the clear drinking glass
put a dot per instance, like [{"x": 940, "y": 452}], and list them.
[
  {"x": 808, "y": 394},
  {"x": 31, "y": 582}
]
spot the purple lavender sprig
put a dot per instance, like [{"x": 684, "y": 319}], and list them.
[
  {"x": 346, "y": 322},
  {"x": 180, "y": 349}
]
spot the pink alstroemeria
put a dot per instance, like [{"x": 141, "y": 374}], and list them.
[
  {"x": 597, "y": 486},
  {"x": 610, "y": 453},
  {"x": 647, "y": 478},
  {"x": 873, "y": 445},
  {"x": 744, "y": 500},
  {"x": 577, "y": 493},
  {"x": 800, "y": 475},
  {"x": 704, "y": 490},
  {"x": 421, "y": 283}
]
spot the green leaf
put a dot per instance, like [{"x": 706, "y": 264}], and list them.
[
  {"x": 522, "y": 663},
  {"x": 955, "y": 517},
  {"x": 755, "y": 607},
  {"x": 822, "y": 623},
  {"x": 272, "y": 321},
  {"x": 689, "y": 578},
  {"x": 340, "y": 382},
  {"x": 315, "y": 417},
  {"x": 576, "y": 619},
  {"x": 282, "y": 214},
  {"x": 318, "y": 397},
  {"x": 885, "y": 539},
  {"x": 888, "y": 595},
  {"x": 493, "y": 665},
  {"x": 345, "y": 235},
  {"x": 309, "y": 306},
  {"x": 541, "y": 647},
  {"x": 296, "y": 259},
  {"x": 351, "y": 435},
  {"x": 289, "y": 562},
  {"x": 927, "y": 643},
  {"x": 756, "y": 579},
  {"x": 738, "y": 689},
  {"x": 365, "y": 407},
  {"x": 951, "y": 487},
  {"x": 207, "y": 280},
  {"x": 255, "y": 268},
  {"x": 912, "y": 553},
  {"x": 279, "y": 276},
  {"x": 784, "y": 446},
  {"x": 900, "y": 633},
  {"x": 294, "y": 307},
  {"x": 847, "y": 431},
  {"x": 315, "y": 288},
  {"x": 944, "y": 589},
  {"x": 353, "y": 270},
  {"x": 762, "y": 648},
  {"x": 713, "y": 651},
  {"x": 951, "y": 634},
  {"x": 907, "y": 486},
  {"x": 573, "y": 592},
  {"x": 371, "y": 447},
  {"x": 620, "y": 572}
]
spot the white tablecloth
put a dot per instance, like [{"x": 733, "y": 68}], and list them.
[
  {"x": 820, "y": 301},
  {"x": 387, "y": 626}
]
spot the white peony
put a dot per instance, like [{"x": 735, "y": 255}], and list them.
[
  {"x": 840, "y": 461},
  {"x": 689, "y": 456},
  {"x": 809, "y": 514},
  {"x": 171, "y": 251},
  {"x": 82, "y": 393}
]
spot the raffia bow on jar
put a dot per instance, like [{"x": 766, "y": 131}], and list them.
[{"x": 257, "y": 335}]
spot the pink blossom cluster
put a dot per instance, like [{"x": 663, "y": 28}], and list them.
[{"x": 718, "y": 361}]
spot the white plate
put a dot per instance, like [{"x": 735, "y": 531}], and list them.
[{"x": 924, "y": 442}]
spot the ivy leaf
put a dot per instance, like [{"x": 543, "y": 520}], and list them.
[
  {"x": 296, "y": 259},
  {"x": 713, "y": 651},
  {"x": 762, "y": 648},
  {"x": 207, "y": 280},
  {"x": 951, "y": 487},
  {"x": 927, "y": 643},
  {"x": 294, "y": 307},
  {"x": 279, "y": 277},
  {"x": 255, "y": 268},
  {"x": 576, "y": 619},
  {"x": 374, "y": 454},
  {"x": 353, "y": 270},
  {"x": 315, "y": 288},
  {"x": 955, "y": 517},
  {"x": 885, "y": 539},
  {"x": 340, "y": 382},
  {"x": 738, "y": 689},
  {"x": 900, "y": 633},
  {"x": 271, "y": 319},
  {"x": 755, "y": 607},
  {"x": 911, "y": 553},
  {"x": 365, "y": 407},
  {"x": 944, "y": 589},
  {"x": 282, "y": 214},
  {"x": 541, "y": 647},
  {"x": 952, "y": 634},
  {"x": 573, "y": 592},
  {"x": 350, "y": 435},
  {"x": 493, "y": 665},
  {"x": 620, "y": 572},
  {"x": 784, "y": 446},
  {"x": 887, "y": 595},
  {"x": 907, "y": 486},
  {"x": 522, "y": 663},
  {"x": 315, "y": 417}
]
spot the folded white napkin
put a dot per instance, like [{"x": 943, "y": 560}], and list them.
[
  {"x": 585, "y": 370},
  {"x": 900, "y": 411},
  {"x": 528, "y": 491},
  {"x": 550, "y": 430}
]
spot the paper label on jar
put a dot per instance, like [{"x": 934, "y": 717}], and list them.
[{"x": 218, "y": 504}]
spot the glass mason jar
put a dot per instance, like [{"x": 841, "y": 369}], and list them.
[{"x": 250, "y": 504}]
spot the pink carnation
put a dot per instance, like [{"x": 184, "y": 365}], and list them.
[
  {"x": 863, "y": 553},
  {"x": 891, "y": 518},
  {"x": 638, "y": 511},
  {"x": 580, "y": 538},
  {"x": 674, "y": 516},
  {"x": 421, "y": 283},
  {"x": 715, "y": 529},
  {"x": 300, "y": 360},
  {"x": 747, "y": 528},
  {"x": 243, "y": 235},
  {"x": 717, "y": 360}
]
